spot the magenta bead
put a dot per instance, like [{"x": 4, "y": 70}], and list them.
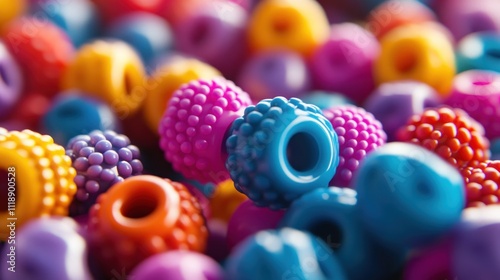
[
  {"x": 194, "y": 127},
  {"x": 10, "y": 81},
  {"x": 431, "y": 263},
  {"x": 344, "y": 63},
  {"x": 477, "y": 92},
  {"x": 178, "y": 265},
  {"x": 249, "y": 219}
]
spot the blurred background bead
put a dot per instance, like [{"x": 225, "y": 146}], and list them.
[
  {"x": 393, "y": 103},
  {"x": 481, "y": 184},
  {"x": 344, "y": 63},
  {"x": 11, "y": 10},
  {"x": 217, "y": 247},
  {"x": 225, "y": 200},
  {"x": 433, "y": 262},
  {"x": 111, "y": 10},
  {"x": 275, "y": 73},
  {"x": 202, "y": 200},
  {"x": 495, "y": 149},
  {"x": 325, "y": 99},
  {"x": 11, "y": 81},
  {"x": 28, "y": 112},
  {"x": 479, "y": 50}
]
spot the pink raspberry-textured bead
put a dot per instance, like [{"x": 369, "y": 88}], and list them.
[
  {"x": 193, "y": 128},
  {"x": 359, "y": 134}
]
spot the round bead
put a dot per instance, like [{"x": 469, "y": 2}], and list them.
[
  {"x": 430, "y": 263},
  {"x": 479, "y": 51},
  {"x": 225, "y": 200},
  {"x": 112, "y": 9},
  {"x": 11, "y": 81},
  {"x": 281, "y": 149},
  {"x": 481, "y": 184},
  {"x": 10, "y": 10},
  {"x": 197, "y": 150},
  {"x": 408, "y": 196},
  {"x": 325, "y": 100}
]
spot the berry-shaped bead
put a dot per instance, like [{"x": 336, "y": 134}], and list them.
[
  {"x": 101, "y": 160},
  {"x": 481, "y": 183},
  {"x": 359, "y": 133},
  {"x": 281, "y": 149}
]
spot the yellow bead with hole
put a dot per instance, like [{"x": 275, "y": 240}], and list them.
[
  {"x": 39, "y": 174},
  {"x": 225, "y": 200},
  {"x": 417, "y": 52},
  {"x": 166, "y": 80},
  {"x": 297, "y": 25},
  {"x": 111, "y": 71},
  {"x": 9, "y": 10}
]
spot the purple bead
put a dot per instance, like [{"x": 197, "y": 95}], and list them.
[
  {"x": 85, "y": 152},
  {"x": 92, "y": 186},
  {"x": 275, "y": 73},
  {"x": 103, "y": 145},
  {"x": 95, "y": 158},
  {"x": 120, "y": 141},
  {"x": 81, "y": 164},
  {"x": 178, "y": 265},
  {"x": 124, "y": 169},
  {"x": 125, "y": 154},
  {"x": 216, "y": 244},
  {"x": 96, "y": 136},
  {"x": 111, "y": 157},
  {"x": 344, "y": 63},
  {"x": 10, "y": 81},
  {"x": 136, "y": 166},
  {"x": 394, "y": 103},
  {"x": 107, "y": 175},
  {"x": 94, "y": 171}
]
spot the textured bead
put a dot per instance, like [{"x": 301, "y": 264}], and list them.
[
  {"x": 344, "y": 63},
  {"x": 44, "y": 176},
  {"x": 140, "y": 217},
  {"x": 479, "y": 51},
  {"x": 225, "y": 200},
  {"x": 195, "y": 124},
  {"x": 359, "y": 133},
  {"x": 450, "y": 133},
  {"x": 11, "y": 81},
  {"x": 481, "y": 184},
  {"x": 281, "y": 149}
]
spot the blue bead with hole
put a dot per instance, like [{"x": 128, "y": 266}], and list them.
[{"x": 479, "y": 51}]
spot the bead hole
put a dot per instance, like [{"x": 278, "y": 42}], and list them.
[
  {"x": 329, "y": 232},
  {"x": 282, "y": 25},
  {"x": 302, "y": 152},
  {"x": 69, "y": 112},
  {"x": 127, "y": 82},
  {"x": 3, "y": 76},
  {"x": 481, "y": 83},
  {"x": 406, "y": 58},
  {"x": 424, "y": 189},
  {"x": 139, "y": 206}
]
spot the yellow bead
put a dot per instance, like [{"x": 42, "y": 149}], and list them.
[
  {"x": 9, "y": 10},
  {"x": 297, "y": 25},
  {"x": 42, "y": 188},
  {"x": 110, "y": 71},
  {"x": 417, "y": 52},
  {"x": 166, "y": 80},
  {"x": 225, "y": 200}
]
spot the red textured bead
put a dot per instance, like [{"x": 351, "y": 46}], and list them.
[
  {"x": 43, "y": 52},
  {"x": 450, "y": 133},
  {"x": 481, "y": 183}
]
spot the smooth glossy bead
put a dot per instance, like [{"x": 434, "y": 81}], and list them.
[
  {"x": 11, "y": 81},
  {"x": 479, "y": 51},
  {"x": 344, "y": 63},
  {"x": 325, "y": 99},
  {"x": 430, "y": 263},
  {"x": 408, "y": 196},
  {"x": 417, "y": 52},
  {"x": 10, "y": 10},
  {"x": 296, "y": 25},
  {"x": 394, "y": 103},
  {"x": 275, "y": 73},
  {"x": 225, "y": 200}
]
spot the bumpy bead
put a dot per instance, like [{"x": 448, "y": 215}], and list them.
[
  {"x": 479, "y": 51},
  {"x": 481, "y": 184},
  {"x": 225, "y": 200},
  {"x": 110, "y": 71},
  {"x": 44, "y": 176},
  {"x": 279, "y": 150},
  {"x": 344, "y": 63},
  {"x": 166, "y": 80},
  {"x": 478, "y": 94},
  {"x": 11, "y": 81},
  {"x": 142, "y": 216},
  {"x": 417, "y": 52},
  {"x": 359, "y": 133},
  {"x": 10, "y": 10},
  {"x": 268, "y": 74},
  {"x": 194, "y": 127},
  {"x": 450, "y": 133},
  {"x": 408, "y": 196},
  {"x": 296, "y": 25},
  {"x": 101, "y": 160},
  {"x": 280, "y": 254},
  {"x": 43, "y": 52}
]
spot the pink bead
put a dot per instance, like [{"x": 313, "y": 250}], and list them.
[{"x": 430, "y": 264}]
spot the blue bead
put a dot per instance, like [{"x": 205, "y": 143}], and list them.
[
  {"x": 283, "y": 254},
  {"x": 331, "y": 215},
  {"x": 78, "y": 18},
  {"x": 325, "y": 100},
  {"x": 495, "y": 149},
  {"x": 72, "y": 115},
  {"x": 408, "y": 196},
  {"x": 479, "y": 51}
]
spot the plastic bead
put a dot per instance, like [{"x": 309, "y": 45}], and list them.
[
  {"x": 481, "y": 184},
  {"x": 166, "y": 80},
  {"x": 248, "y": 219},
  {"x": 178, "y": 265},
  {"x": 43, "y": 52},
  {"x": 450, "y": 133},
  {"x": 296, "y": 25},
  {"x": 344, "y": 63},
  {"x": 408, "y": 196},
  {"x": 359, "y": 133},
  {"x": 10, "y": 10},
  {"x": 417, "y": 52},
  {"x": 479, "y": 51},
  {"x": 394, "y": 103},
  {"x": 195, "y": 126},
  {"x": 325, "y": 100},
  {"x": 478, "y": 94},
  {"x": 44, "y": 176},
  {"x": 41, "y": 244},
  {"x": 112, "y": 9},
  {"x": 28, "y": 112},
  {"x": 225, "y": 200},
  {"x": 281, "y": 254},
  {"x": 215, "y": 33},
  {"x": 495, "y": 149},
  {"x": 150, "y": 35},
  {"x": 11, "y": 81},
  {"x": 101, "y": 159},
  {"x": 142, "y": 216},
  {"x": 275, "y": 73},
  {"x": 431, "y": 263},
  {"x": 72, "y": 114}
]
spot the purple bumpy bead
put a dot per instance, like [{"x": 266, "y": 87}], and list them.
[
  {"x": 394, "y": 103},
  {"x": 101, "y": 160},
  {"x": 477, "y": 92},
  {"x": 10, "y": 81},
  {"x": 344, "y": 63},
  {"x": 178, "y": 265},
  {"x": 194, "y": 128},
  {"x": 359, "y": 133}
]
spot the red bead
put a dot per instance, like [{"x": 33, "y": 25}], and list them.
[{"x": 481, "y": 183}]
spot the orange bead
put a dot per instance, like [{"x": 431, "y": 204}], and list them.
[{"x": 481, "y": 183}]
